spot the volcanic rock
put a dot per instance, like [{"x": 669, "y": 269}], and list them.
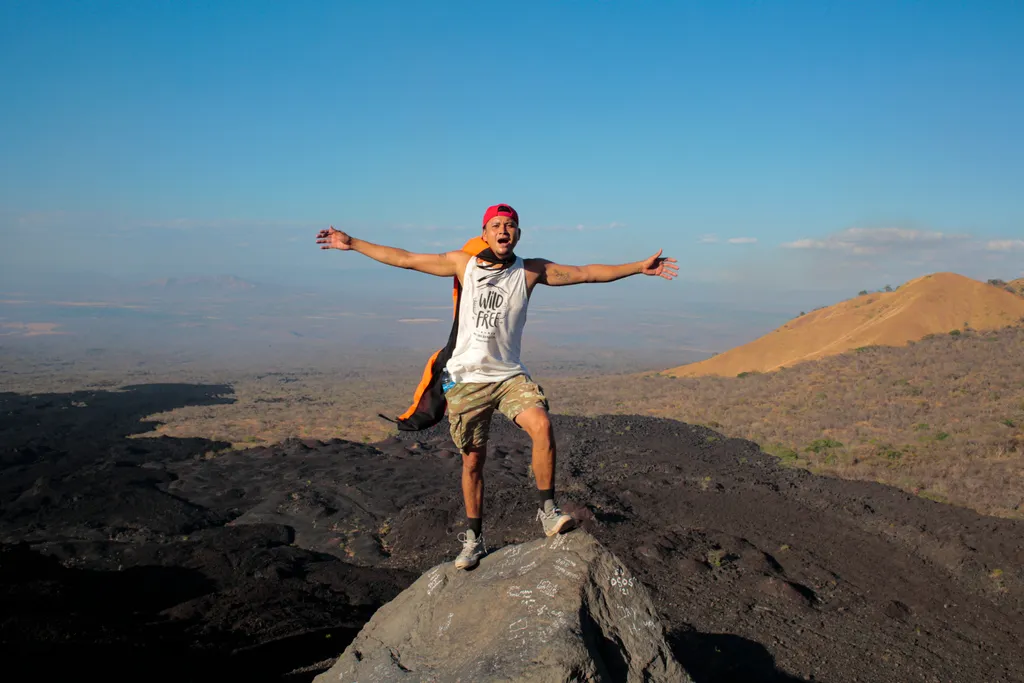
[{"x": 554, "y": 609}]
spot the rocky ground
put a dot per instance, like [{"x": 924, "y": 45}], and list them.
[{"x": 181, "y": 559}]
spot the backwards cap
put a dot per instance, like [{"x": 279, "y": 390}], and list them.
[{"x": 500, "y": 210}]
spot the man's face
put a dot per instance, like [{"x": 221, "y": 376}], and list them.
[{"x": 501, "y": 234}]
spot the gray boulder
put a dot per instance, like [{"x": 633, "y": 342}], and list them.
[{"x": 554, "y": 609}]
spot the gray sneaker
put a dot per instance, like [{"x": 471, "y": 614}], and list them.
[
  {"x": 555, "y": 521},
  {"x": 472, "y": 550}
]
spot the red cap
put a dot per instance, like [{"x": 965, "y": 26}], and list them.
[{"x": 501, "y": 210}]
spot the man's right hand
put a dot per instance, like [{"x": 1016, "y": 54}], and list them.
[
  {"x": 333, "y": 239},
  {"x": 445, "y": 265}
]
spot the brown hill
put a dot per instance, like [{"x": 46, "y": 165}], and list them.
[
  {"x": 932, "y": 304},
  {"x": 1017, "y": 285}
]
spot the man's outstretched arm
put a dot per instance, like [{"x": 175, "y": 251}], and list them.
[
  {"x": 556, "y": 274},
  {"x": 444, "y": 265}
]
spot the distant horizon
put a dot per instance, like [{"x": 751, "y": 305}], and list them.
[{"x": 217, "y": 317}]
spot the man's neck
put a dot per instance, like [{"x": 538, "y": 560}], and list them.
[{"x": 488, "y": 256}]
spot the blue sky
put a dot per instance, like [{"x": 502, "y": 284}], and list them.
[{"x": 769, "y": 146}]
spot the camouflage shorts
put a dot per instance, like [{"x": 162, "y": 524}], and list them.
[{"x": 471, "y": 405}]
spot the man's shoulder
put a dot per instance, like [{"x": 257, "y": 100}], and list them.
[{"x": 535, "y": 264}]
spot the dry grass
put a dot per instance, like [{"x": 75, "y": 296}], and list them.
[
  {"x": 942, "y": 418},
  {"x": 309, "y": 404},
  {"x": 933, "y": 304}
]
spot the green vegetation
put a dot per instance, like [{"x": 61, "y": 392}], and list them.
[
  {"x": 819, "y": 445},
  {"x": 716, "y": 557},
  {"x": 891, "y": 453},
  {"x": 781, "y": 452}
]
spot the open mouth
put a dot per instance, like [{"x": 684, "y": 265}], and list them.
[{"x": 504, "y": 240}]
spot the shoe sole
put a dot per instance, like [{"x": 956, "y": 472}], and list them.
[
  {"x": 469, "y": 565},
  {"x": 567, "y": 524}
]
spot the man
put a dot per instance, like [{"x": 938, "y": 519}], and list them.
[{"x": 485, "y": 371}]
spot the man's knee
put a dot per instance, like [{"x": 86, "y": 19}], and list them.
[
  {"x": 535, "y": 422},
  {"x": 473, "y": 459}
]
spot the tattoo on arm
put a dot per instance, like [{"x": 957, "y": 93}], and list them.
[{"x": 558, "y": 275}]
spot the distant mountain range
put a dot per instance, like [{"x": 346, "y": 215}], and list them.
[{"x": 939, "y": 303}]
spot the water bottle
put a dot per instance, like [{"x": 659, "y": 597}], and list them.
[{"x": 446, "y": 381}]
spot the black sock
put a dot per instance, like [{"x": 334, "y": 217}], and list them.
[
  {"x": 544, "y": 495},
  {"x": 476, "y": 524}
]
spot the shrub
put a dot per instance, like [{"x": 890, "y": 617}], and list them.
[
  {"x": 954, "y": 333},
  {"x": 781, "y": 452},
  {"x": 717, "y": 557},
  {"x": 819, "y": 445}
]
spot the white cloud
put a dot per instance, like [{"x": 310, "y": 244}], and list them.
[
  {"x": 1005, "y": 245},
  {"x": 867, "y": 241},
  {"x": 742, "y": 240},
  {"x": 808, "y": 244},
  {"x": 708, "y": 239}
]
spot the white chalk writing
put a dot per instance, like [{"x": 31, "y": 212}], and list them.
[
  {"x": 526, "y": 568},
  {"x": 435, "y": 579},
  {"x": 444, "y": 627},
  {"x": 547, "y": 588}
]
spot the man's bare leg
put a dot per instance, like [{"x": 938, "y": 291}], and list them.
[
  {"x": 473, "y": 482},
  {"x": 536, "y": 423},
  {"x": 473, "y": 495}
]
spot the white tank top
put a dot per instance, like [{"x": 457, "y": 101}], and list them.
[{"x": 492, "y": 313}]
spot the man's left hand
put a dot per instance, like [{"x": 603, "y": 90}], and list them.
[{"x": 660, "y": 266}]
